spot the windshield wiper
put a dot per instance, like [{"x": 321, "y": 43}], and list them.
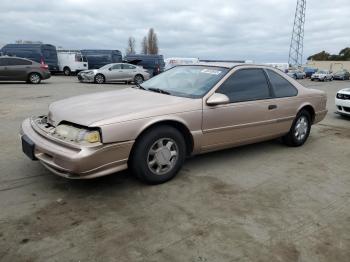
[{"x": 158, "y": 90}]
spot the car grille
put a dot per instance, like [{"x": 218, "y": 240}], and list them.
[
  {"x": 346, "y": 109},
  {"x": 343, "y": 96}
]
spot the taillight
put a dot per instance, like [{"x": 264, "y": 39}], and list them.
[{"x": 43, "y": 65}]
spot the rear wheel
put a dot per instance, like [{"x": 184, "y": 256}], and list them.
[
  {"x": 99, "y": 79},
  {"x": 300, "y": 130},
  {"x": 67, "y": 71},
  {"x": 138, "y": 79},
  {"x": 34, "y": 78},
  {"x": 158, "y": 155}
]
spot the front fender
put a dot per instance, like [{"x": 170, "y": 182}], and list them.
[{"x": 130, "y": 130}]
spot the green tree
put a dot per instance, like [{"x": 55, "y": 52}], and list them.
[{"x": 321, "y": 56}]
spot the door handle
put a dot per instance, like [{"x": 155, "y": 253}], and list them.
[{"x": 271, "y": 107}]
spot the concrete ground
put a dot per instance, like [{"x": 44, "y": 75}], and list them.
[{"x": 263, "y": 202}]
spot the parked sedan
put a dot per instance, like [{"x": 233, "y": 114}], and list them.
[
  {"x": 113, "y": 73},
  {"x": 322, "y": 75},
  {"x": 296, "y": 74},
  {"x": 342, "y": 75},
  {"x": 342, "y": 102},
  {"x": 184, "y": 111},
  {"x": 21, "y": 69}
]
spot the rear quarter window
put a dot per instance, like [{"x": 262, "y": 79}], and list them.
[
  {"x": 18, "y": 62},
  {"x": 281, "y": 86}
]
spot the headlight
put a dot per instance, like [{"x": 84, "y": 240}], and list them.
[{"x": 75, "y": 134}]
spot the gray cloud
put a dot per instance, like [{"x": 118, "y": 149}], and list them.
[{"x": 225, "y": 29}]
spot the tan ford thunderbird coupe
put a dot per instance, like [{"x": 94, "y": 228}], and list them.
[{"x": 153, "y": 127}]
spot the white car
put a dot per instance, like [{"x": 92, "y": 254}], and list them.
[
  {"x": 342, "y": 102},
  {"x": 322, "y": 75},
  {"x": 71, "y": 62}
]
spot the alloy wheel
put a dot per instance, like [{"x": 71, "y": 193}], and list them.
[
  {"x": 301, "y": 128},
  {"x": 34, "y": 78},
  {"x": 162, "y": 156}
]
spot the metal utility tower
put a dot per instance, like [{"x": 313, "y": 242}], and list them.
[{"x": 297, "y": 41}]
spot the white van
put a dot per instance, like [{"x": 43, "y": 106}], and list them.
[
  {"x": 174, "y": 61},
  {"x": 71, "y": 61}
]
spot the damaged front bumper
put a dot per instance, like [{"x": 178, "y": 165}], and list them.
[{"x": 72, "y": 160}]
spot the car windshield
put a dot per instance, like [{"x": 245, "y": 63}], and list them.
[
  {"x": 187, "y": 81},
  {"x": 322, "y": 72}
]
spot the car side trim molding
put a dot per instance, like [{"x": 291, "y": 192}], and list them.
[{"x": 279, "y": 120}]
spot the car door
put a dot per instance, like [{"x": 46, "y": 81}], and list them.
[
  {"x": 3, "y": 68},
  {"x": 129, "y": 71},
  {"x": 115, "y": 72},
  {"x": 17, "y": 69},
  {"x": 248, "y": 117}
]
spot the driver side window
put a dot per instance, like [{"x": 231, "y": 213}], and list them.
[{"x": 246, "y": 85}]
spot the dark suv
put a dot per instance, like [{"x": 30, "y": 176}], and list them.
[{"x": 21, "y": 69}]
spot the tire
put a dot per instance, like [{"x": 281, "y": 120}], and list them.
[
  {"x": 99, "y": 79},
  {"x": 138, "y": 79},
  {"x": 312, "y": 79},
  {"x": 158, "y": 155},
  {"x": 34, "y": 78},
  {"x": 300, "y": 130},
  {"x": 67, "y": 71}
]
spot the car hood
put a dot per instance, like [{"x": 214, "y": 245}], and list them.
[
  {"x": 87, "y": 71},
  {"x": 345, "y": 91},
  {"x": 118, "y": 106}
]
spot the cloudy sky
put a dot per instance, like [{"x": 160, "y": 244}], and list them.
[{"x": 258, "y": 30}]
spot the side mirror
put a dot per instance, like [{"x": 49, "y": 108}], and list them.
[
  {"x": 110, "y": 69},
  {"x": 218, "y": 99}
]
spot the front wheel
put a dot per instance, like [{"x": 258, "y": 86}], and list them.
[
  {"x": 34, "y": 78},
  {"x": 300, "y": 130},
  {"x": 99, "y": 79},
  {"x": 158, "y": 155}
]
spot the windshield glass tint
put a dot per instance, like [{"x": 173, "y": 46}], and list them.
[{"x": 187, "y": 81}]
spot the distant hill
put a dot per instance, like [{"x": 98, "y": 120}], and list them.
[{"x": 344, "y": 55}]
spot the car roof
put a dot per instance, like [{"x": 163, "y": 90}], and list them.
[{"x": 228, "y": 65}]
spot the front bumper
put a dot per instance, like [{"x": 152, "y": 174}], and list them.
[
  {"x": 74, "y": 161},
  {"x": 86, "y": 78},
  {"x": 343, "y": 106}
]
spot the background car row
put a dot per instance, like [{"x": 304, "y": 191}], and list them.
[{"x": 74, "y": 61}]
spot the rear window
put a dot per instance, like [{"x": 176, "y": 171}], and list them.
[
  {"x": 126, "y": 66},
  {"x": 281, "y": 86},
  {"x": 18, "y": 62}
]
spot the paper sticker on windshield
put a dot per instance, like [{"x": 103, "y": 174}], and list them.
[{"x": 211, "y": 71}]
